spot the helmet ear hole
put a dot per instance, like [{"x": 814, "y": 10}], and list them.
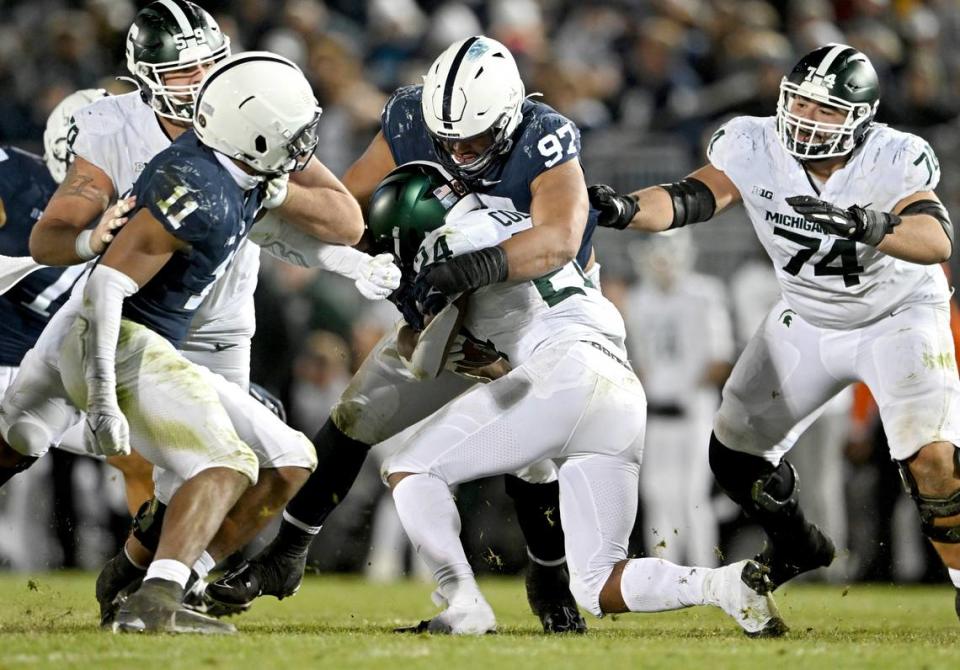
[{"x": 260, "y": 144}]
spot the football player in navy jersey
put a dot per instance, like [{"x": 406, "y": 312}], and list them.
[
  {"x": 114, "y": 346},
  {"x": 471, "y": 115}
]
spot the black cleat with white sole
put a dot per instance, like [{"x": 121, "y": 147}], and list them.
[
  {"x": 266, "y": 574},
  {"x": 117, "y": 580}
]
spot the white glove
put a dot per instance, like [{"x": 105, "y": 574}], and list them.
[
  {"x": 377, "y": 277},
  {"x": 276, "y": 191},
  {"x": 107, "y": 432}
]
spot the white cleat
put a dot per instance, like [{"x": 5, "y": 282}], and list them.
[
  {"x": 743, "y": 590},
  {"x": 469, "y": 616}
]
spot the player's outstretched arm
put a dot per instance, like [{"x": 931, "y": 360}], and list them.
[
  {"x": 61, "y": 237},
  {"x": 318, "y": 204},
  {"x": 698, "y": 197}
]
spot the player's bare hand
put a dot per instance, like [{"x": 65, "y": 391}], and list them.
[{"x": 111, "y": 221}]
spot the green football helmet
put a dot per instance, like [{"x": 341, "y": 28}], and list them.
[
  {"x": 169, "y": 36},
  {"x": 837, "y": 76},
  {"x": 411, "y": 202}
]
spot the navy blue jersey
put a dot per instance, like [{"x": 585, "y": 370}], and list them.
[
  {"x": 544, "y": 139},
  {"x": 198, "y": 201},
  {"x": 25, "y": 188}
]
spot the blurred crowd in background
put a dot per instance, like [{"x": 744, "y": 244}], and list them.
[{"x": 646, "y": 81}]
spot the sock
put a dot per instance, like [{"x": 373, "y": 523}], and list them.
[
  {"x": 170, "y": 570},
  {"x": 204, "y": 565},
  {"x": 954, "y": 576},
  {"x": 430, "y": 518},
  {"x": 538, "y": 513},
  {"x": 339, "y": 459},
  {"x": 656, "y": 585}
]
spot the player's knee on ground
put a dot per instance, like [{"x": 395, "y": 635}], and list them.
[
  {"x": 751, "y": 481},
  {"x": 932, "y": 477},
  {"x": 28, "y": 438},
  {"x": 587, "y": 582}
]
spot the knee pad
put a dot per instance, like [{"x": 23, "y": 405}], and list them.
[
  {"x": 148, "y": 523},
  {"x": 932, "y": 508},
  {"x": 28, "y": 438},
  {"x": 752, "y": 482}
]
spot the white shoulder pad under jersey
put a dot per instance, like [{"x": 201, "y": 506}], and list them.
[
  {"x": 119, "y": 134},
  {"x": 830, "y": 281},
  {"x": 519, "y": 317}
]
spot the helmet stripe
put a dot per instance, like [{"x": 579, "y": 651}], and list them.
[
  {"x": 239, "y": 59},
  {"x": 452, "y": 76},
  {"x": 179, "y": 16},
  {"x": 831, "y": 56}
]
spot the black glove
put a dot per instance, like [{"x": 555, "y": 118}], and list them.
[
  {"x": 616, "y": 211},
  {"x": 855, "y": 223},
  {"x": 404, "y": 300},
  {"x": 439, "y": 282}
]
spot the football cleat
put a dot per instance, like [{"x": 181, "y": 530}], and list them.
[
  {"x": 266, "y": 574},
  {"x": 743, "y": 590},
  {"x": 156, "y": 608},
  {"x": 117, "y": 580},
  {"x": 808, "y": 551},
  {"x": 548, "y": 592},
  {"x": 474, "y": 617},
  {"x": 195, "y": 598}
]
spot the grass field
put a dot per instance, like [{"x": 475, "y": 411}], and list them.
[{"x": 48, "y": 621}]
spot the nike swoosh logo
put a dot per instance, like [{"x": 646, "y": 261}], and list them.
[{"x": 223, "y": 346}]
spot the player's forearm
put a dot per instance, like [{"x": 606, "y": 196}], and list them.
[
  {"x": 541, "y": 249},
  {"x": 103, "y": 299},
  {"x": 329, "y": 214},
  {"x": 919, "y": 238},
  {"x": 288, "y": 243},
  {"x": 654, "y": 210},
  {"x": 54, "y": 242}
]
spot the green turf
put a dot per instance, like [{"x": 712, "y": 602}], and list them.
[{"x": 48, "y": 621}]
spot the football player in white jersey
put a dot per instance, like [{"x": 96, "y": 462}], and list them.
[
  {"x": 846, "y": 209},
  {"x": 170, "y": 46},
  {"x": 566, "y": 394}
]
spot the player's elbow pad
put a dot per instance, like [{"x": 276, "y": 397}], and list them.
[
  {"x": 693, "y": 201},
  {"x": 934, "y": 209}
]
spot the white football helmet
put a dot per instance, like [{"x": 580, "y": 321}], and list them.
[
  {"x": 472, "y": 90},
  {"x": 58, "y": 135},
  {"x": 258, "y": 108}
]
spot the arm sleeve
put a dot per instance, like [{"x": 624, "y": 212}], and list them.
[
  {"x": 288, "y": 243},
  {"x": 103, "y": 298}
]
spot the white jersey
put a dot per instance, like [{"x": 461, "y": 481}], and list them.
[
  {"x": 120, "y": 134},
  {"x": 830, "y": 281},
  {"x": 518, "y": 318},
  {"x": 676, "y": 335}
]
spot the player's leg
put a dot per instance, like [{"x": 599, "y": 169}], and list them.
[
  {"x": 910, "y": 367},
  {"x": 663, "y": 486},
  {"x": 525, "y": 416},
  {"x": 598, "y": 503},
  {"x": 536, "y": 498},
  {"x": 177, "y": 422},
  {"x": 787, "y": 371},
  {"x": 383, "y": 398}
]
